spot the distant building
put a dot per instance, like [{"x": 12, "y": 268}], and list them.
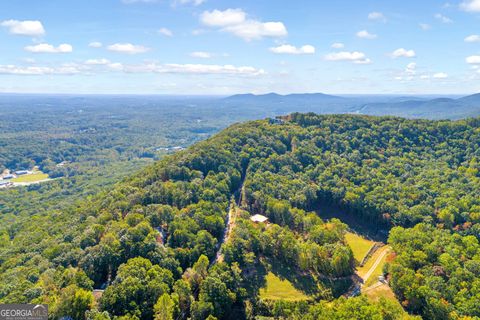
[
  {"x": 258, "y": 218},
  {"x": 275, "y": 121},
  {"x": 61, "y": 164},
  {"x": 4, "y": 184},
  {"x": 21, "y": 172},
  {"x": 176, "y": 148}
]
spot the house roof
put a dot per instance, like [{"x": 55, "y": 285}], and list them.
[{"x": 258, "y": 218}]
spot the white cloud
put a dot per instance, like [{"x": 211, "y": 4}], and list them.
[
  {"x": 355, "y": 57},
  {"x": 425, "y": 77},
  {"x": 473, "y": 60},
  {"x": 409, "y": 73},
  {"x": 411, "y": 69},
  {"x": 98, "y": 62},
  {"x": 115, "y": 66},
  {"x": 338, "y": 45},
  {"x": 187, "y": 69},
  {"x": 210, "y": 69},
  {"x": 472, "y": 38},
  {"x": 127, "y": 48},
  {"x": 95, "y": 44},
  {"x": 289, "y": 49},
  {"x": 21, "y": 70},
  {"x": 147, "y": 67},
  {"x": 66, "y": 69},
  {"x": 48, "y": 48},
  {"x": 217, "y": 18},
  {"x": 443, "y": 18},
  {"x": 192, "y": 2},
  {"x": 165, "y": 32},
  {"x": 364, "y": 34},
  {"x": 401, "y": 52},
  {"x": 253, "y": 30},
  {"x": 25, "y": 28},
  {"x": 378, "y": 16},
  {"x": 425, "y": 26},
  {"x": 235, "y": 21},
  {"x": 365, "y": 61},
  {"x": 470, "y": 5},
  {"x": 201, "y": 54},
  {"x": 440, "y": 75}
]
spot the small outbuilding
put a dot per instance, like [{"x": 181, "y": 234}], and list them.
[
  {"x": 4, "y": 184},
  {"x": 275, "y": 121},
  {"x": 258, "y": 218}
]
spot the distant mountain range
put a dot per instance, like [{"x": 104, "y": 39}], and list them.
[
  {"x": 409, "y": 107},
  {"x": 302, "y": 102},
  {"x": 270, "y": 97}
]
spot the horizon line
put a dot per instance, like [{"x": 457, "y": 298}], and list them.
[{"x": 232, "y": 94}]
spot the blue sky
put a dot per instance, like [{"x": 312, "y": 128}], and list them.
[{"x": 227, "y": 47}]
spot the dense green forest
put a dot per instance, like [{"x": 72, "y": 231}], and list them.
[
  {"x": 155, "y": 241},
  {"x": 87, "y": 143}
]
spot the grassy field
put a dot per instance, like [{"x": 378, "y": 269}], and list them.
[
  {"x": 382, "y": 291},
  {"x": 38, "y": 176},
  {"x": 277, "y": 289},
  {"x": 359, "y": 245}
]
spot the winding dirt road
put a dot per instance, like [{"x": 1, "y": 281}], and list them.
[
  {"x": 226, "y": 232},
  {"x": 230, "y": 223},
  {"x": 375, "y": 264}
]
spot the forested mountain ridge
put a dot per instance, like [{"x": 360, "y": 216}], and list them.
[
  {"x": 408, "y": 107},
  {"x": 153, "y": 238}
]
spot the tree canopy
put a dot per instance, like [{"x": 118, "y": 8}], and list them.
[{"x": 153, "y": 241}]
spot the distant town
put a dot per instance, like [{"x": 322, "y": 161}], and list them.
[
  {"x": 10, "y": 178},
  {"x": 170, "y": 149}
]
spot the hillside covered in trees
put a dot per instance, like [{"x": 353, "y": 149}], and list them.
[{"x": 155, "y": 244}]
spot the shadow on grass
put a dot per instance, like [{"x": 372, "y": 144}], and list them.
[
  {"x": 256, "y": 279},
  {"x": 314, "y": 287},
  {"x": 368, "y": 228},
  {"x": 302, "y": 282}
]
